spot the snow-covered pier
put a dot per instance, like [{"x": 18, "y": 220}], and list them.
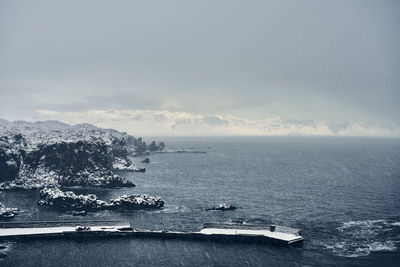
[{"x": 277, "y": 235}]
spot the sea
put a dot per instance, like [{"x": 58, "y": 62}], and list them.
[{"x": 342, "y": 192}]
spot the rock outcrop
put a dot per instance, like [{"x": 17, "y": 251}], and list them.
[
  {"x": 138, "y": 201},
  {"x": 146, "y": 160},
  {"x": 126, "y": 165},
  {"x": 36, "y": 155},
  {"x": 222, "y": 206},
  {"x": 7, "y": 213},
  {"x": 69, "y": 201}
]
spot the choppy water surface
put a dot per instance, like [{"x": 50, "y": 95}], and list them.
[{"x": 342, "y": 192}]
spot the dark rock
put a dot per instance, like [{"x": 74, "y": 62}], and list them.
[
  {"x": 10, "y": 156},
  {"x": 141, "y": 169},
  {"x": 154, "y": 147},
  {"x": 7, "y": 213},
  {"x": 146, "y": 160},
  {"x": 222, "y": 206}
]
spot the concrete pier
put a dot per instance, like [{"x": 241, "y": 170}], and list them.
[{"x": 108, "y": 229}]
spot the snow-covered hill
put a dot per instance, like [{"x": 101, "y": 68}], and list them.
[{"x": 34, "y": 155}]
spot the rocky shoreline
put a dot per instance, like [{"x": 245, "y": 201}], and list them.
[
  {"x": 69, "y": 201},
  {"x": 49, "y": 155},
  {"x": 36, "y": 155}
]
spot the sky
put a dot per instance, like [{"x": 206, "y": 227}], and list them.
[{"x": 205, "y": 67}]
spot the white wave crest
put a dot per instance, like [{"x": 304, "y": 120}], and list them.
[
  {"x": 360, "y": 238},
  {"x": 171, "y": 209}
]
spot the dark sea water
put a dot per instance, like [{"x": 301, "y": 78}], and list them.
[{"x": 344, "y": 193}]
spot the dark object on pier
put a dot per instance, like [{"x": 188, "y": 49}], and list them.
[{"x": 82, "y": 228}]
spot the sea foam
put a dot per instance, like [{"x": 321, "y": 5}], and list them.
[{"x": 360, "y": 238}]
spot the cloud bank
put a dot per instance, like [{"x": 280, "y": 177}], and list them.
[
  {"x": 166, "y": 123},
  {"x": 324, "y": 60}
]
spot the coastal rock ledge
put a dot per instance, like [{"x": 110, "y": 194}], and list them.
[{"x": 68, "y": 200}]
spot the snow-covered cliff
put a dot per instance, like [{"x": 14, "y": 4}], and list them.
[{"x": 35, "y": 155}]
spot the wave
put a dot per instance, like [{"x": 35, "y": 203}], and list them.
[
  {"x": 360, "y": 238},
  {"x": 171, "y": 209}
]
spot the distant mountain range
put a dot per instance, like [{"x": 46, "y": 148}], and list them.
[{"x": 165, "y": 123}]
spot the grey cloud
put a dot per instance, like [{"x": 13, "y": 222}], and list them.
[
  {"x": 305, "y": 60},
  {"x": 214, "y": 121},
  {"x": 338, "y": 126}
]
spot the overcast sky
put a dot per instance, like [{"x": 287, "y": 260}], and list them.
[{"x": 325, "y": 61}]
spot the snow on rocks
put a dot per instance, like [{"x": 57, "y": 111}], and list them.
[
  {"x": 36, "y": 155},
  {"x": 68, "y": 200},
  {"x": 222, "y": 206},
  {"x": 7, "y": 213},
  {"x": 138, "y": 201},
  {"x": 126, "y": 165}
]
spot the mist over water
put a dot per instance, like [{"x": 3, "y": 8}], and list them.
[{"x": 342, "y": 193}]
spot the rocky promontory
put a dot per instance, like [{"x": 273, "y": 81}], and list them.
[{"x": 51, "y": 153}]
